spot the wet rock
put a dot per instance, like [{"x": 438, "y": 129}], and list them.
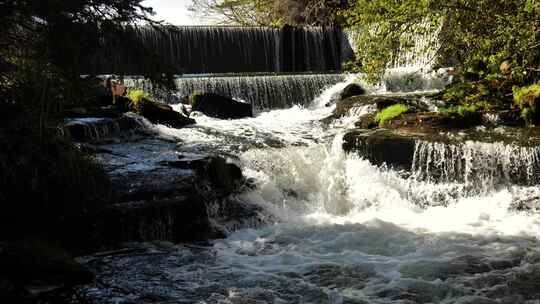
[
  {"x": 431, "y": 122},
  {"x": 163, "y": 114},
  {"x": 96, "y": 129},
  {"x": 415, "y": 102},
  {"x": 178, "y": 219},
  {"x": 221, "y": 174},
  {"x": 218, "y": 106},
  {"x": 352, "y": 89},
  {"x": 366, "y": 122},
  {"x": 381, "y": 147}
]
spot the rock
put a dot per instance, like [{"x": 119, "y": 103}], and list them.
[
  {"x": 92, "y": 129},
  {"x": 415, "y": 102},
  {"x": 217, "y": 106},
  {"x": 221, "y": 174},
  {"x": 431, "y": 122},
  {"x": 161, "y": 113},
  {"x": 366, "y": 122},
  {"x": 352, "y": 89},
  {"x": 381, "y": 147},
  {"x": 176, "y": 219}
]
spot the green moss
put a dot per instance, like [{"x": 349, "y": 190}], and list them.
[
  {"x": 137, "y": 95},
  {"x": 389, "y": 113}
]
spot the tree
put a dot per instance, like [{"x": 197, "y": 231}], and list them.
[
  {"x": 470, "y": 31},
  {"x": 269, "y": 12},
  {"x": 44, "y": 178}
]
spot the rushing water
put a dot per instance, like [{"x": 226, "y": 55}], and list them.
[
  {"x": 348, "y": 231},
  {"x": 221, "y": 49},
  {"x": 262, "y": 91}
]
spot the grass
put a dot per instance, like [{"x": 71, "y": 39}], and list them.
[{"x": 389, "y": 113}]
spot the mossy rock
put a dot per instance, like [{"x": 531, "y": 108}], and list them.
[
  {"x": 161, "y": 113},
  {"x": 412, "y": 101}
]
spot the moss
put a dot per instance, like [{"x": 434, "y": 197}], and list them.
[
  {"x": 137, "y": 95},
  {"x": 389, "y": 113}
]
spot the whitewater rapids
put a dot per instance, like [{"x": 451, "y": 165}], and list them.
[{"x": 348, "y": 231}]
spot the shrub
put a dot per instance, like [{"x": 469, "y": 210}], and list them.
[
  {"x": 136, "y": 96},
  {"x": 389, "y": 113},
  {"x": 526, "y": 97},
  {"x": 44, "y": 180}
]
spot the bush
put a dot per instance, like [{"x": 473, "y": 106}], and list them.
[
  {"x": 45, "y": 180},
  {"x": 136, "y": 96},
  {"x": 389, "y": 113}
]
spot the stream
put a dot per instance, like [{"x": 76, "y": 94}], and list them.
[{"x": 343, "y": 230}]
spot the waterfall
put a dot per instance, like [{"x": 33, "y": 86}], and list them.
[
  {"x": 263, "y": 92},
  {"x": 482, "y": 166},
  {"x": 220, "y": 49}
]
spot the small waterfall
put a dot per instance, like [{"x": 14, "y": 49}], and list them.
[
  {"x": 263, "y": 92},
  {"x": 99, "y": 129},
  {"x": 479, "y": 166},
  {"x": 221, "y": 49}
]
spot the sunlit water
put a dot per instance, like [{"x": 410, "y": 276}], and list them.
[{"x": 348, "y": 231}]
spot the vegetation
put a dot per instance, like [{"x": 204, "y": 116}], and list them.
[
  {"x": 527, "y": 99},
  {"x": 136, "y": 95},
  {"x": 390, "y": 113},
  {"x": 269, "y": 12},
  {"x": 44, "y": 179}
]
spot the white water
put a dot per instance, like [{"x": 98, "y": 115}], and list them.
[{"x": 351, "y": 232}]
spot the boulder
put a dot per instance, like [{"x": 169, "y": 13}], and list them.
[
  {"x": 218, "y": 106},
  {"x": 176, "y": 219},
  {"x": 161, "y": 113},
  {"x": 381, "y": 147},
  {"x": 415, "y": 102},
  {"x": 352, "y": 89}
]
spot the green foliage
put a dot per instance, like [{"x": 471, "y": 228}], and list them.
[
  {"x": 464, "y": 110},
  {"x": 470, "y": 31},
  {"x": 44, "y": 179},
  {"x": 389, "y": 113},
  {"x": 136, "y": 96},
  {"x": 526, "y": 96},
  {"x": 268, "y": 12},
  {"x": 527, "y": 99}
]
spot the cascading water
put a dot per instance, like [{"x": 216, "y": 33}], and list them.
[
  {"x": 262, "y": 91},
  {"x": 348, "y": 231},
  {"x": 476, "y": 164},
  {"x": 221, "y": 49}
]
